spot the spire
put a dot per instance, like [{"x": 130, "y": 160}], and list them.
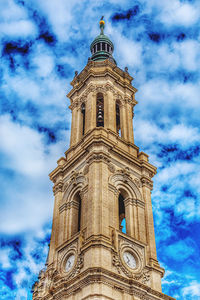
[
  {"x": 102, "y": 25},
  {"x": 102, "y": 47}
]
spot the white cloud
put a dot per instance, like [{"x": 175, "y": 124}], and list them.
[
  {"x": 17, "y": 139},
  {"x": 189, "y": 208},
  {"x": 183, "y": 135},
  {"x": 4, "y": 258},
  {"x": 177, "y": 13},
  {"x": 22, "y": 28},
  {"x": 11, "y": 11},
  {"x": 14, "y": 20},
  {"x": 44, "y": 64},
  {"x": 148, "y": 132},
  {"x": 177, "y": 168},
  {"x": 30, "y": 194},
  {"x": 192, "y": 290},
  {"x": 59, "y": 14},
  {"x": 127, "y": 52},
  {"x": 188, "y": 52}
]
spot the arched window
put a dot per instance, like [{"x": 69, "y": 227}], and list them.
[
  {"x": 118, "y": 124},
  {"x": 77, "y": 215},
  {"x": 122, "y": 217},
  {"x": 83, "y": 118},
  {"x": 100, "y": 110}
]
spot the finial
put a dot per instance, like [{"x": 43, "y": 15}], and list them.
[
  {"x": 126, "y": 69},
  {"x": 102, "y": 24}
]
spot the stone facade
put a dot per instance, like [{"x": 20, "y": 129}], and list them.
[{"x": 88, "y": 250}]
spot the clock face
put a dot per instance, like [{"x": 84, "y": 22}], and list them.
[
  {"x": 129, "y": 260},
  {"x": 70, "y": 262}
]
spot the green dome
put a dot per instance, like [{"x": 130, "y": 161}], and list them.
[
  {"x": 102, "y": 47},
  {"x": 101, "y": 38}
]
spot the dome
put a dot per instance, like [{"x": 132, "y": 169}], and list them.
[{"x": 102, "y": 47}]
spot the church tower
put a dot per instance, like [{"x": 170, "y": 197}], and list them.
[{"x": 103, "y": 241}]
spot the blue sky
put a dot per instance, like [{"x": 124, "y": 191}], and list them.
[{"x": 42, "y": 44}]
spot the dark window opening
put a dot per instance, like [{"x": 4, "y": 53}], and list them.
[
  {"x": 103, "y": 46},
  {"x": 98, "y": 47},
  {"x": 79, "y": 214},
  {"x": 118, "y": 125},
  {"x": 83, "y": 118},
  {"x": 122, "y": 217},
  {"x": 100, "y": 110}
]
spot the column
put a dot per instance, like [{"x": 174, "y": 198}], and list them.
[
  {"x": 90, "y": 112},
  {"x": 141, "y": 223},
  {"x": 55, "y": 229},
  {"x": 97, "y": 199},
  {"x": 149, "y": 222},
  {"x": 123, "y": 121},
  {"x": 79, "y": 124},
  {"x": 129, "y": 108},
  {"x": 73, "y": 137},
  {"x": 109, "y": 111}
]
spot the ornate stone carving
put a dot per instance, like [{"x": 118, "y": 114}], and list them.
[
  {"x": 62, "y": 257},
  {"x": 111, "y": 167},
  {"x": 76, "y": 178},
  {"x": 58, "y": 187},
  {"x": 147, "y": 182},
  {"x": 120, "y": 268},
  {"x": 86, "y": 169},
  {"x": 79, "y": 265},
  {"x": 98, "y": 157},
  {"x": 137, "y": 182},
  {"x": 123, "y": 178}
]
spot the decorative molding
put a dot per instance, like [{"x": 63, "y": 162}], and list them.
[
  {"x": 121, "y": 179},
  {"x": 111, "y": 167},
  {"x": 76, "y": 183},
  {"x": 62, "y": 256},
  {"x": 137, "y": 182},
  {"x": 103, "y": 88},
  {"x": 98, "y": 157},
  {"x": 141, "y": 273},
  {"x": 58, "y": 187},
  {"x": 147, "y": 182},
  {"x": 86, "y": 169}
]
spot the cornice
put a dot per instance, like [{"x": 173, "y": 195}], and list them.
[
  {"x": 101, "y": 69},
  {"x": 100, "y": 137},
  {"x": 103, "y": 276},
  {"x": 103, "y": 88}
]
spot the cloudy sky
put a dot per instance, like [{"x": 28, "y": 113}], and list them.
[{"x": 42, "y": 44}]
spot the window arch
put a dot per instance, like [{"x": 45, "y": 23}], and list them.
[
  {"x": 122, "y": 215},
  {"x": 100, "y": 110},
  {"x": 118, "y": 123},
  {"x": 83, "y": 118}
]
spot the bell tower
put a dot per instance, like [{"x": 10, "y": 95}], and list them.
[{"x": 102, "y": 241}]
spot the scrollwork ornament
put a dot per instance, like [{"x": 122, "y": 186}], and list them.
[
  {"x": 119, "y": 266},
  {"x": 86, "y": 169},
  {"x": 147, "y": 182},
  {"x": 137, "y": 182},
  {"x": 79, "y": 265},
  {"x": 111, "y": 167},
  {"x": 58, "y": 187}
]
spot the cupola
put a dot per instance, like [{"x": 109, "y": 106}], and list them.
[{"x": 102, "y": 47}]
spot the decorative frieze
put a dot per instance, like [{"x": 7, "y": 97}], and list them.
[{"x": 147, "y": 182}]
